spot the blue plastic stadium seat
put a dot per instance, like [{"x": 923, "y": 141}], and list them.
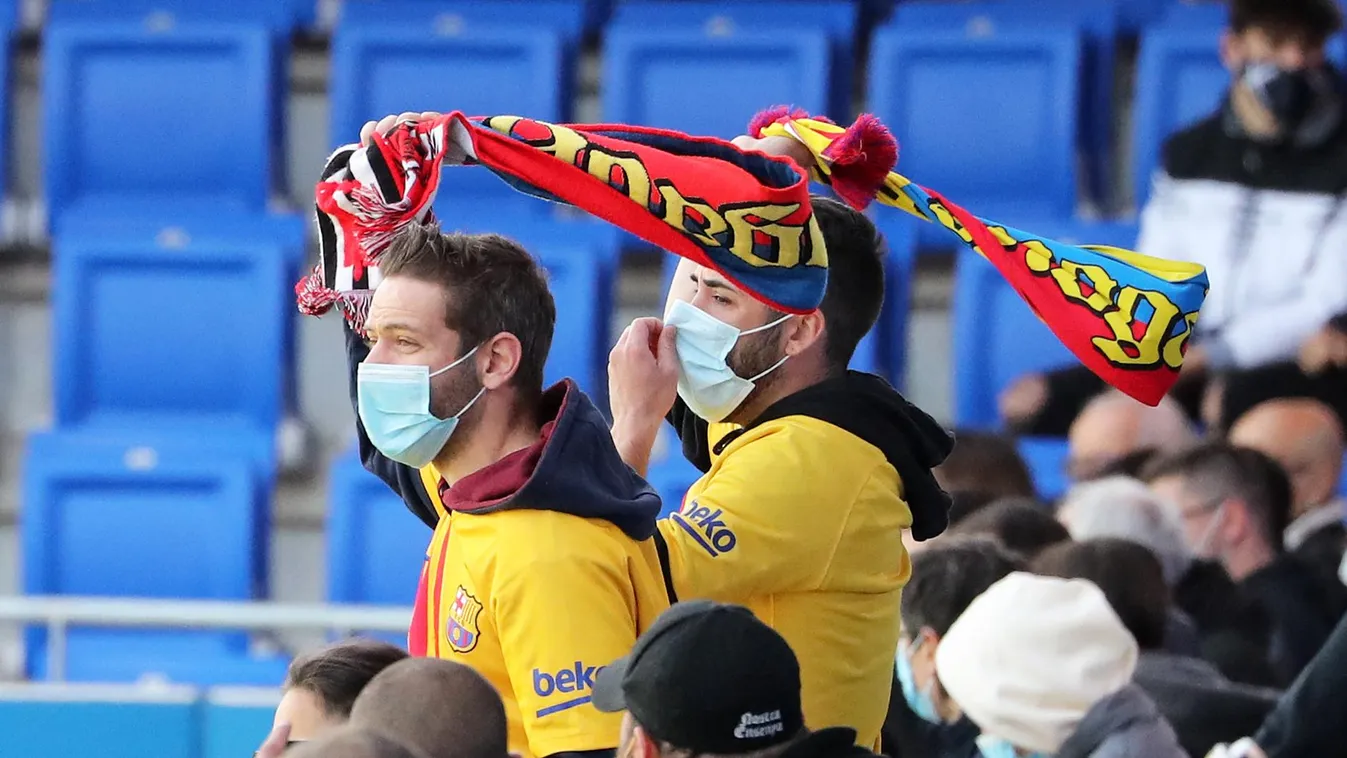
[
  {"x": 129, "y": 125},
  {"x": 375, "y": 546},
  {"x": 677, "y": 79},
  {"x": 997, "y": 338},
  {"x": 231, "y": 721},
  {"x": 176, "y": 520},
  {"x": 61, "y": 723},
  {"x": 181, "y": 331},
  {"x": 281, "y": 15},
  {"x": 1098, "y": 22},
  {"x": 450, "y": 18},
  {"x": 836, "y": 18},
  {"x": 990, "y": 122},
  {"x": 1180, "y": 80},
  {"x": 378, "y": 69},
  {"x": 670, "y": 474},
  {"x": 1046, "y": 459}
]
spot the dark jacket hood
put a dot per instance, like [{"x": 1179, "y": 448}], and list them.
[
  {"x": 834, "y": 742},
  {"x": 1129, "y": 716},
  {"x": 572, "y": 468},
  {"x": 913, "y": 442}
]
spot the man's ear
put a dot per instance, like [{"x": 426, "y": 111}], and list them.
[
  {"x": 1232, "y": 51},
  {"x": 803, "y": 333},
  {"x": 498, "y": 360},
  {"x": 646, "y": 746}
]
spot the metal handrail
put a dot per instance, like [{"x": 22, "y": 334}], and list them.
[{"x": 59, "y": 613}]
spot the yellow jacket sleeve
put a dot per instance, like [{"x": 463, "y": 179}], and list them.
[
  {"x": 560, "y": 621},
  {"x": 766, "y": 518}
]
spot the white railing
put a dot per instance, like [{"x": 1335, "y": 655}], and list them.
[{"x": 58, "y": 614}]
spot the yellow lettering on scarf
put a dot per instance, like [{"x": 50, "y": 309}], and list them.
[
  {"x": 675, "y": 214},
  {"x": 1173, "y": 350},
  {"x": 1116, "y": 306},
  {"x": 635, "y": 180},
  {"x": 947, "y": 220},
  {"x": 790, "y": 238}
]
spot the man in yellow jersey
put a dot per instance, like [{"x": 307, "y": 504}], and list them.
[
  {"x": 541, "y": 569},
  {"x": 811, "y": 472}
]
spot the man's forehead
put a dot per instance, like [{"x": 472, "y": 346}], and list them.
[
  {"x": 709, "y": 277},
  {"x": 406, "y": 303}
]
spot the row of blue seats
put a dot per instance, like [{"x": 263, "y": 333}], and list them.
[
  {"x": 991, "y": 114},
  {"x": 586, "y": 16}
]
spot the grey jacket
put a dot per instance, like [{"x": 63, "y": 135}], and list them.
[{"x": 1125, "y": 724}]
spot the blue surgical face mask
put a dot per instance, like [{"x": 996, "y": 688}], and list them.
[
  {"x": 394, "y": 404},
  {"x": 706, "y": 382},
  {"x": 919, "y": 700},
  {"x": 995, "y": 747}
]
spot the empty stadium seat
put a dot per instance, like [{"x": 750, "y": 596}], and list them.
[
  {"x": 1098, "y": 23},
  {"x": 178, "y": 520},
  {"x": 449, "y": 18},
  {"x": 375, "y": 546},
  {"x": 1180, "y": 80},
  {"x": 378, "y": 69},
  {"x": 1046, "y": 459},
  {"x": 180, "y": 331},
  {"x": 677, "y": 79},
  {"x": 232, "y": 718},
  {"x": 118, "y": 724},
  {"x": 997, "y": 338},
  {"x": 837, "y": 18},
  {"x": 147, "y": 120},
  {"x": 280, "y": 15},
  {"x": 670, "y": 474},
  {"x": 990, "y": 122}
]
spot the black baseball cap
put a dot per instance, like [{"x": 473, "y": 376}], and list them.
[{"x": 710, "y": 678}]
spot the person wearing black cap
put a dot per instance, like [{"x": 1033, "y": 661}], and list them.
[{"x": 709, "y": 679}]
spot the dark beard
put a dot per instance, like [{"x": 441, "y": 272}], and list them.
[
  {"x": 753, "y": 355},
  {"x": 453, "y": 389}
]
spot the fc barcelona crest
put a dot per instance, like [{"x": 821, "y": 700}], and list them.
[{"x": 460, "y": 626}]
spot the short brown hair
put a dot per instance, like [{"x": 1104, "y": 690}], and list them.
[
  {"x": 855, "y": 292},
  {"x": 437, "y": 706},
  {"x": 1129, "y": 575},
  {"x": 1317, "y": 19},
  {"x": 337, "y": 674},
  {"x": 493, "y": 286}
]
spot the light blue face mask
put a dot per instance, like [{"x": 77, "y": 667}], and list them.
[
  {"x": 995, "y": 747},
  {"x": 706, "y": 382},
  {"x": 394, "y": 404},
  {"x": 919, "y": 700}
]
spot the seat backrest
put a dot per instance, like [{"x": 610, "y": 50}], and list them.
[
  {"x": 482, "y": 70},
  {"x": 986, "y": 120},
  {"x": 1180, "y": 80},
  {"x": 130, "y": 125},
  {"x": 186, "y": 330},
  {"x": 997, "y": 339},
  {"x": 375, "y": 546},
  {"x": 837, "y": 17},
  {"x": 139, "y": 522},
  {"x": 662, "y": 76},
  {"x": 569, "y": 17},
  {"x": 280, "y": 15}
]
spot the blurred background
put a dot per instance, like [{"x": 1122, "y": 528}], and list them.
[{"x": 170, "y": 428}]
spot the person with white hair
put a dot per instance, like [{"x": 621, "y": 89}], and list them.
[
  {"x": 1044, "y": 667},
  {"x": 1124, "y": 508},
  {"x": 1120, "y": 507},
  {"x": 1113, "y": 426}
]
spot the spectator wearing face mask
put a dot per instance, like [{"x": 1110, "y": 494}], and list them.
[
  {"x": 1044, "y": 667},
  {"x": 1235, "y": 504},
  {"x": 1255, "y": 193},
  {"x": 1204, "y": 707},
  {"x": 923, "y": 721}
]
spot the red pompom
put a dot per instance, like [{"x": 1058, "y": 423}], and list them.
[{"x": 861, "y": 160}]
